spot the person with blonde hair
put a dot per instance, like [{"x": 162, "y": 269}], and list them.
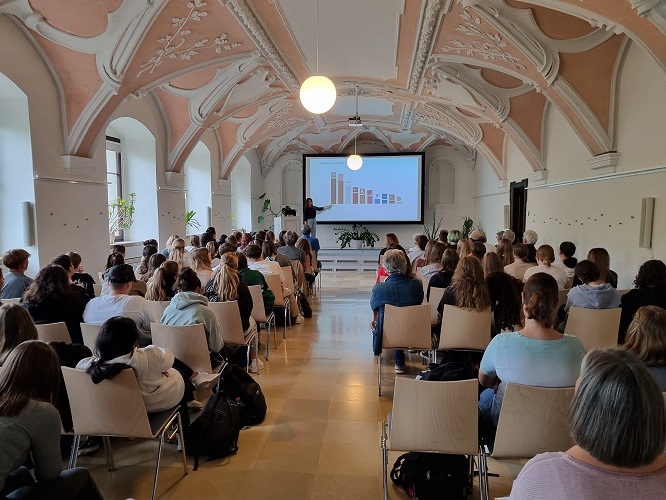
[
  {"x": 178, "y": 254},
  {"x": 195, "y": 242},
  {"x": 226, "y": 285},
  {"x": 520, "y": 264},
  {"x": 545, "y": 257},
  {"x": 167, "y": 245},
  {"x": 468, "y": 287},
  {"x": 492, "y": 263},
  {"x": 505, "y": 251},
  {"x": 434, "y": 261},
  {"x": 464, "y": 248},
  {"x": 202, "y": 265},
  {"x": 646, "y": 338},
  {"x": 213, "y": 248},
  {"x": 162, "y": 285}
]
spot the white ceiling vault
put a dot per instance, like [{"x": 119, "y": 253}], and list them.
[{"x": 465, "y": 73}]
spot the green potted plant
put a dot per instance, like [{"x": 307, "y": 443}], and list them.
[
  {"x": 467, "y": 227},
  {"x": 432, "y": 233},
  {"x": 266, "y": 207},
  {"x": 356, "y": 236},
  {"x": 190, "y": 220},
  {"x": 121, "y": 215}
]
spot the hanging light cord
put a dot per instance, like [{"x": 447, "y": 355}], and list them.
[{"x": 317, "y": 45}]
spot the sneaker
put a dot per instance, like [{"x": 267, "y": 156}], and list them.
[
  {"x": 299, "y": 319},
  {"x": 205, "y": 380},
  {"x": 400, "y": 369},
  {"x": 88, "y": 446},
  {"x": 256, "y": 366}
]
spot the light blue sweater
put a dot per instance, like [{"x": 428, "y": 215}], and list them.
[{"x": 191, "y": 308}]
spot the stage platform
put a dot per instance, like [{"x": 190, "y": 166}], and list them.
[{"x": 351, "y": 260}]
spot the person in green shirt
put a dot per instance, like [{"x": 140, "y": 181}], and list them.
[{"x": 251, "y": 277}]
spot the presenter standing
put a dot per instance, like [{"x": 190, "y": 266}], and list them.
[{"x": 310, "y": 215}]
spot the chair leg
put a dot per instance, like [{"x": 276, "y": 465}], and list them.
[
  {"x": 157, "y": 466},
  {"x": 182, "y": 441},
  {"x": 286, "y": 312},
  {"x": 384, "y": 461},
  {"x": 268, "y": 339},
  {"x": 379, "y": 374},
  {"x": 109, "y": 453},
  {"x": 75, "y": 451}
]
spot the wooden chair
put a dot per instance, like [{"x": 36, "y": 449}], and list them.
[
  {"x": 561, "y": 298},
  {"x": 532, "y": 420},
  {"x": 11, "y": 301},
  {"x": 259, "y": 315},
  {"x": 90, "y": 332},
  {"x": 228, "y": 316},
  {"x": 435, "y": 417},
  {"x": 115, "y": 408},
  {"x": 425, "y": 281},
  {"x": 156, "y": 308},
  {"x": 316, "y": 286},
  {"x": 624, "y": 290},
  {"x": 464, "y": 329},
  {"x": 53, "y": 332},
  {"x": 275, "y": 284},
  {"x": 187, "y": 343},
  {"x": 596, "y": 328},
  {"x": 406, "y": 327},
  {"x": 97, "y": 289},
  {"x": 436, "y": 295},
  {"x": 289, "y": 280}
]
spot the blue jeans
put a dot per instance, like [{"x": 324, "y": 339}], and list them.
[{"x": 487, "y": 405}]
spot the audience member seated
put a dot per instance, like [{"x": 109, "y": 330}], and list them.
[
  {"x": 434, "y": 263},
  {"x": 442, "y": 236},
  {"x": 468, "y": 288},
  {"x": 260, "y": 237},
  {"x": 290, "y": 249},
  {"x": 417, "y": 251},
  {"x": 190, "y": 307},
  {"x": 601, "y": 258},
  {"x": 269, "y": 253},
  {"x": 505, "y": 301},
  {"x": 164, "y": 381},
  {"x": 480, "y": 236},
  {"x": 30, "y": 429},
  {"x": 618, "y": 425},
  {"x": 509, "y": 235},
  {"x": 530, "y": 239},
  {"x": 464, "y": 248},
  {"x": 443, "y": 278},
  {"x": 162, "y": 285},
  {"x": 280, "y": 239},
  {"x": 246, "y": 239},
  {"x": 16, "y": 281},
  {"x": 195, "y": 242},
  {"x": 593, "y": 293},
  {"x": 178, "y": 254},
  {"x": 167, "y": 246},
  {"x": 420, "y": 261},
  {"x": 251, "y": 277},
  {"x": 505, "y": 251},
  {"x": 80, "y": 278},
  {"x": 119, "y": 249},
  {"x": 537, "y": 355},
  {"x": 520, "y": 264},
  {"x": 566, "y": 260},
  {"x": 227, "y": 286},
  {"x": 545, "y": 258},
  {"x": 142, "y": 269},
  {"x": 64, "y": 261},
  {"x": 114, "y": 259},
  {"x": 479, "y": 250},
  {"x": 314, "y": 242},
  {"x": 154, "y": 262},
  {"x": 304, "y": 246},
  {"x": 650, "y": 291},
  {"x": 49, "y": 299},
  {"x": 270, "y": 236},
  {"x": 213, "y": 250},
  {"x": 202, "y": 265},
  {"x": 119, "y": 303},
  {"x": 209, "y": 235},
  {"x": 399, "y": 289},
  {"x": 453, "y": 238},
  {"x": 646, "y": 338},
  {"x": 16, "y": 326},
  {"x": 390, "y": 242},
  {"x": 492, "y": 263}
]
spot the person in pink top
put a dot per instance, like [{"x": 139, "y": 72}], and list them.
[{"x": 618, "y": 424}]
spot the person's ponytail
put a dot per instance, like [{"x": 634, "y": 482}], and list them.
[{"x": 541, "y": 298}]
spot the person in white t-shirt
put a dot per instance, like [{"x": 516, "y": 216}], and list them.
[
  {"x": 567, "y": 261},
  {"x": 545, "y": 257},
  {"x": 119, "y": 303}
]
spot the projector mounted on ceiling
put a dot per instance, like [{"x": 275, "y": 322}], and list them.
[{"x": 355, "y": 121}]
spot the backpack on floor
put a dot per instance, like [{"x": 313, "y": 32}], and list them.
[
  {"x": 450, "y": 372},
  {"x": 304, "y": 306},
  {"x": 215, "y": 433},
  {"x": 433, "y": 476},
  {"x": 240, "y": 386}
]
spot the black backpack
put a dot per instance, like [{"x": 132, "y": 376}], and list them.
[
  {"x": 450, "y": 372},
  {"x": 215, "y": 433},
  {"x": 238, "y": 385},
  {"x": 433, "y": 476}
]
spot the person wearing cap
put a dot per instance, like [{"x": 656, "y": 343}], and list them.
[
  {"x": 119, "y": 303},
  {"x": 16, "y": 281},
  {"x": 478, "y": 235}
]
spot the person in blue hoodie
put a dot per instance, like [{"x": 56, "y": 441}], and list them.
[{"x": 190, "y": 307}]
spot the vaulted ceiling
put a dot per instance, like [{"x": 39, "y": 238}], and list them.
[{"x": 465, "y": 73}]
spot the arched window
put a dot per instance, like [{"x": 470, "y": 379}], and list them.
[
  {"x": 198, "y": 186},
  {"x": 292, "y": 185},
  {"x": 442, "y": 183}
]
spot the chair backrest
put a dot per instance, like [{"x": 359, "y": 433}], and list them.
[
  {"x": 11, "y": 301},
  {"x": 561, "y": 298},
  {"x": 297, "y": 266},
  {"x": 307, "y": 265},
  {"x": 425, "y": 281},
  {"x": 624, "y": 290},
  {"x": 596, "y": 328},
  {"x": 275, "y": 284},
  {"x": 139, "y": 288},
  {"x": 436, "y": 295},
  {"x": 100, "y": 275},
  {"x": 156, "y": 308},
  {"x": 288, "y": 278},
  {"x": 464, "y": 328},
  {"x": 111, "y": 408},
  {"x": 90, "y": 332},
  {"x": 97, "y": 289},
  {"x": 258, "y": 310},
  {"x": 313, "y": 261},
  {"x": 435, "y": 416},
  {"x": 228, "y": 316},
  {"x": 533, "y": 420},
  {"x": 53, "y": 332},
  {"x": 187, "y": 343},
  {"x": 407, "y": 326}
]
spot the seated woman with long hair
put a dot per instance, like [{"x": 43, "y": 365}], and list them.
[
  {"x": 538, "y": 355},
  {"x": 142, "y": 269},
  {"x": 433, "y": 263},
  {"x": 178, "y": 254},
  {"x": 304, "y": 245},
  {"x": 164, "y": 381},
  {"x": 505, "y": 251},
  {"x": 226, "y": 285},
  {"x": 646, "y": 338},
  {"x": 443, "y": 278},
  {"x": 30, "y": 427},
  {"x": 505, "y": 301},
  {"x": 49, "y": 299},
  {"x": 650, "y": 291},
  {"x": 468, "y": 288},
  {"x": 155, "y": 261},
  {"x": 202, "y": 265},
  {"x": 464, "y": 248},
  {"x": 162, "y": 286},
  {"x": 618, "y": 424}
]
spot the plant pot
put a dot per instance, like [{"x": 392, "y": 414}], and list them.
[{"x": 356, "y": 244}]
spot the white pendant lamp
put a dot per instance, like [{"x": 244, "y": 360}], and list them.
[
  {"x": 355, "y": 162},
  {"x": 318, "y": 92}
]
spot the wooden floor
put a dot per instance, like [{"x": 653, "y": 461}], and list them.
[{"x": 320, "y": 439}]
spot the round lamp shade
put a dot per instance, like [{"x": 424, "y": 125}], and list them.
[
  {"x": 318, "y": 94},
  {"x": 354, "y": 162}
]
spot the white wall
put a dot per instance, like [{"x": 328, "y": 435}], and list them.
[
  {"x": 604, "y": 213},
  {"x": 241, "y": 194},
  {"x": 198, "y": 186}
]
